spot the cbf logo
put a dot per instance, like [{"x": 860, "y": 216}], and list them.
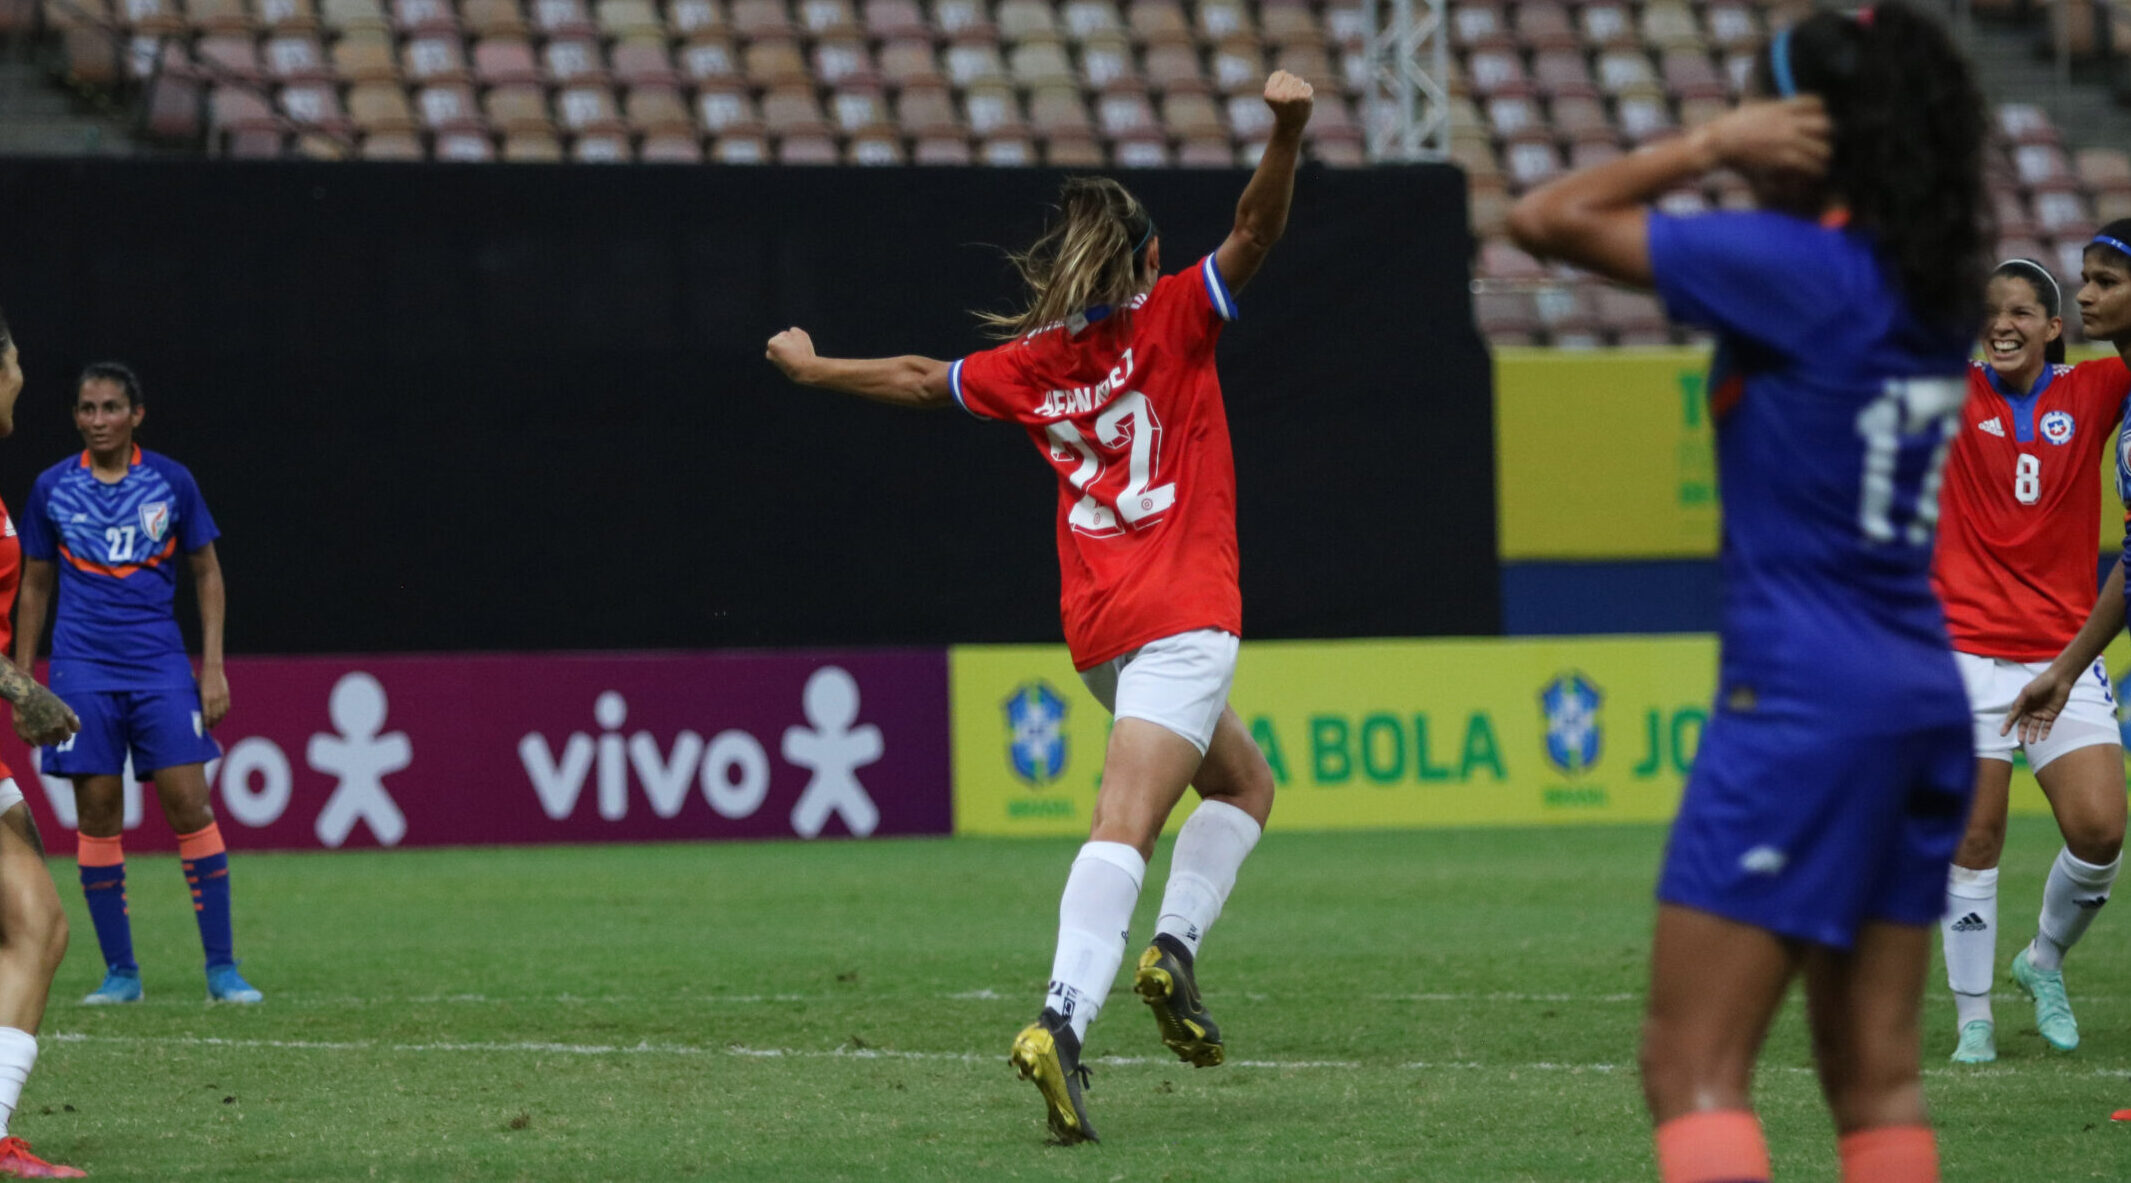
[
  {"x": 1570, "y": 703},
  {"x": 155, "y": 519},
  {"x": 1035, "y": 718},
  {"x": 2057, "y": 427}
]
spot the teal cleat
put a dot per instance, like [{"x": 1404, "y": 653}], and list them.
[
  {"x": 225, "y": 984},
  {"x": 2053, "y": 1011},
  {"x": 1979, "y": 1043},
  {"x": 119, "y": 986}
]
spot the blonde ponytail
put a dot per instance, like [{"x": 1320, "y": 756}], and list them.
[{"x": 1090, "y": 256}]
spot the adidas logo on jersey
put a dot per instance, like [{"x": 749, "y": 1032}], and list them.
[
  {"x": 1970, "y": 923},
  {"x": 1993, "y": 426}
]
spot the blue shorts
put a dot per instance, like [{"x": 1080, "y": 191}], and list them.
[
  {"x": 1793, "y": 827},
  {"x": 162, "y": 728}
]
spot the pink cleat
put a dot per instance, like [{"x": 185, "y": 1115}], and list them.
[{"x": 16, "y": 1162}]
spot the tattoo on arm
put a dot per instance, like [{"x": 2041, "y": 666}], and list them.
[{"x": 41, "y": 711}]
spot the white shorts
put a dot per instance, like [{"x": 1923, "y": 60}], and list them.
[
  {"x": 2089, "y": 717},
  {"x": 1178, "y": 682},
  {"x": 10, "y": 796}
]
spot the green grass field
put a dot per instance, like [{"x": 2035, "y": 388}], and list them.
[{"x": 1427, "y": 1006}]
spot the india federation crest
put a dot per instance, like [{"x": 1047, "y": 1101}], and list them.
[
  {"x": 155, "y": 519},
  {"x": 2057, "y": 427},
  {"x": 1035, "y": 723},
  {"x": 1570, "y": 703}
]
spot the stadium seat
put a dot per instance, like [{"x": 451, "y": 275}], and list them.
[
  {"x": 815, "y": 150},
  {"x": 1024, "y": 21},
  {"x": 1488, "y": 205},
  {"x": 1570, "y": 313},
  {"x": 1499, "y": 72},
  {"x": 518, "y": 110},
  {"x": 1683, "y": 203},
  {"x": 429, "y": 59},
  {"x": 844, "y": 61},
  {"x": 670, "y": 149},
  {"x": 1579, "y": 119},
  {"x": 642, "y": 62},
  {"x": 506, "y": 61},
  {"x": 910, "y": 63},
  {"x": 1221, "y": 20},
  {"x": 1507, "y": 317},
  {"x": 709, "y": 62},
  {"x": 315, "y": 106},
  {"x": 1107, "y": 64},
  {"x": 1628, "y": 72},
  {"x": 1239, "y": 68},
  {"x": 894, "y": 20},
  {"x": 207, "y": 16},
  {"x": 1543, "y": 25},
  {"x": 2026, "y": 123},
  {"x": 532, "y": 147},
  {"x": 1332, "y": 122},
  {"x": 1563, "y": 74},
  {"x": 1127, "y": 116},
  {"x": 861, "y": 112},
  {"x": 287, "y": 16},
  {"x": 450, "y": 108},
  {"x": 225, "y": 57},
  {"x": 1287, "y": 25},
  {"x": 491, "y": 18},
  {"x": 1530, "y": 164},
  {"x": 172, "y": 105},
  {"x": 1607, "y": 24},
  {"x": 239, "y": 123},
  {"x": 741, "y": 150},
  {"x": 762, "y": 18},
  {"x": 1194, "y": 117},
  {"x": 467, "y": 147},
  {"x": 994, "y": 111},
  {"x": 1501, "y": 260},
  {"x": 2036, "y": 163},
  {"x": 563, "y": 18},
  {"x": 1007, "y": 152},
  {"x": 829, "y": 18},
  {"x": 692, "y": 19},
  {"x": 1480, "y": 26},
  {"x": 589, "y": 110},
  {"x": 928, "y": 112},
  {"x": 1512, "y": 117},
  {"x": 297, "y": 57},
  {"x": 1669, "y": 26},
  {"x": 420, "y": 18},
  {"x": 392, "y": 146},
  {"x": 571, "y": 60},
  {"x": 964, "y": 21},
  {"x": 1592, "y": 153},
  {"x": 1158, "y": 22},
  {"x": 600, "y": 149},
  {"x": 727, "y": 113},
  {"x": 347, "y": 16},
  {"x": 1249, "y": 119},
  {"x": 1040, "y": 63},
  {"x": 2103, "y": 170},
  {"x": 1143, "y": 154},
  {"x": 625, "y": 20},
  {"x": 151, "y": 18},
  {"x": 1733, "y": 26},
  {"x": 775, "y": 62},
  {"x": 793, "y": 111},
  {"x": 1092, "y": 18},
  {"x": 2062, "y": 211},
  {"x": 942, "y": 150},
  {"x": 1206, "y": 153},
  {"x": 875, "y": 149},
  {"x": 380, "y": 109},
  {"x": 1067, "y": 152},
  {"x": 1632, "y": 318},
  {"x": 969, "y": 64},
  {"x": 1737, "y": 72},
  {"x": 1644, "y": 118},
  {"x": 1057, "y": 111},
  {"x": 1689, "y": 75},
  {"x": 658, "y": 111}
]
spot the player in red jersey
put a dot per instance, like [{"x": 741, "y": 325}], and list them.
[
  {"x": 2020, "y": 513},
  {"x": 1110, "y": 369},
  {"x": 33, "y": 929}
]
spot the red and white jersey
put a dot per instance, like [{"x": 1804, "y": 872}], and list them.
[
  {"x": 1128, "y": 412},
  {"x": 2020, "y": 510}
]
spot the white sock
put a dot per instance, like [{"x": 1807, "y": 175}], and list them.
[
  {"x": 1202, "y": 870},
  {"x": 1969, "y": 932},
  {"x": 1093, "y": 916},
  {"x": 18, "y": 1053},
  {"x": 2075, "y": 892}
]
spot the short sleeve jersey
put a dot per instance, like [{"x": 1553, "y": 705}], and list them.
[
  {"x": 117, "y": 547},
  {"x": 2020, "y": 512},
  {"x": 1833, "y": 406},
  {"x": 1127, "y": 409}
]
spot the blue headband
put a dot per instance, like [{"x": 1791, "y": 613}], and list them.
[
  {"x": 1144, "y": 239},
  {"x": 2115, "y": 244},
  {"x": 1779, "y": 65}
]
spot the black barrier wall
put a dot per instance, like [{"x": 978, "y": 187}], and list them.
[{"x": 439, "y": 408}]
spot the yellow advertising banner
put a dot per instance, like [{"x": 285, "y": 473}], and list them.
[
  {"x": 1608, "y": 455},
  {"x": 1376, "y": 734}
]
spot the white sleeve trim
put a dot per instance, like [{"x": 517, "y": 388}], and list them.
[
  {"x": 1224, "y": 304},
  {"x": 954, "y": 386}
]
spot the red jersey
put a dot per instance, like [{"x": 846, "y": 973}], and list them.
[
  {"x": 10, "y": 580},
  {"x": 1128, "y": 412},
  {"x": 2020, "y": 510}
]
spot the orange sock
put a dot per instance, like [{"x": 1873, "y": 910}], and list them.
[
  {"x": 201, "y": 843},
  {"x": 1890, "y": 1154},
  {"x": 91, "y": 851},
  {"x": 1717, "y": 1146}
]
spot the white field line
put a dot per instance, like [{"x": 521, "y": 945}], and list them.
[{"x": 740, "y": 1051}]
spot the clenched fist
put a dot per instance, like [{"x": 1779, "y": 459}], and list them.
[
  {"x": 790, "y": 351},
  {"x": 1290, "y": 99}
]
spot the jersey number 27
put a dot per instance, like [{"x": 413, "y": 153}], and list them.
[{"x": 1127, "y": 420}]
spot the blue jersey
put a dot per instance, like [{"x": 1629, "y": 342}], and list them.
[
  {"x": 1835, "y": 407},
  {"x": 118, "y": 548}
]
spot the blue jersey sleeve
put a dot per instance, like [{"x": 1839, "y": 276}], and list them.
[
  {"x": 34, "y": 527},
  {"x": 196, "y": 527},
  {"x": 1754, "y": 274}
]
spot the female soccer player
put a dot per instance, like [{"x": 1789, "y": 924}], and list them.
[
  {"x": 1833, "y": 780},
  {"x": 2015, "y": 569},
  {"x": 33, "y": 929},
  {"x": 113, "y": 521},
  {"x": 1110, "y": 368}
]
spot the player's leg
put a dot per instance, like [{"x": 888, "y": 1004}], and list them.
[
  {"x": 168, "y": 739},
  {"x": 2085, "y": 787},
  {"x": 1969, "y": 930},
  {"x": 1236, "y": 789},
  {"x": 1715, "y": 985},
  {"x": 33, "y": 939},
  {"x": 94, "y": 759},
  {"x": 1866, "y": 1009}
]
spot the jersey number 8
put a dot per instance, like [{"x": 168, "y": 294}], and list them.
[
  {"x": 2027, "y": 480},
  {"x": 1907, "y": 410}
]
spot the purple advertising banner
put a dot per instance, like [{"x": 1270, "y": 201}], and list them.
[{"x": 475, "y": 750}]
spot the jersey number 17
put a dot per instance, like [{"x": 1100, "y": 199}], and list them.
[{"x": 1903, "y": 417}]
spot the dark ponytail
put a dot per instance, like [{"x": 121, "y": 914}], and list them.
[
  {"x": 1908, "y": 151},
  {"x": 2118, "y": 231}
]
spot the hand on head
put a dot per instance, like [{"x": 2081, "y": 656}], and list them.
[
  {"x": 1290, "y": 99},
  {"x": 1784, "y": 135},
  {"x": 789, "y": 350}
]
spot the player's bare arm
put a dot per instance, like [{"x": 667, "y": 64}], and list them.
[
  {"x": 1598, "y": 218},
  {"x": 1261, "y": 214},
  {"x": 2036, "y": 708},
  {"x": 207, "y": 583},
  {"x": 40, "y": 717},
  {"x": 907, "y": 381}
]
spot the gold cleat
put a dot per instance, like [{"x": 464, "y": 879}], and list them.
[
  {"x": 1164, "y": 981},
  {"x": 1040, "y": 1055}
]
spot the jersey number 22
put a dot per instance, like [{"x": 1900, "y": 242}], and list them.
[{"x": 1129, "y": 419}]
